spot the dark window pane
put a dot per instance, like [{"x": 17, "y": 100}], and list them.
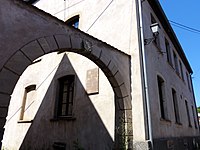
[
  {"x": 161, "y": 97},
  {"x": 64, "y": 109},
  {"x": 74, "y": 21},
  {"x": 66, "y": 95}
]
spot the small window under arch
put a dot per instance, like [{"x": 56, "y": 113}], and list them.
[
  {"x": 74, "y": 21},
  {"x": 26, "y": 115}
]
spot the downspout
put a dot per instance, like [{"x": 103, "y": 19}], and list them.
[{"x": 144, "y": 71}]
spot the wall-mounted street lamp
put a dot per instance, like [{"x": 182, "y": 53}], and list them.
[{"x": 155, "y": 30}]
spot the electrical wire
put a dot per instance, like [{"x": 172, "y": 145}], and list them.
[
  {"x": 184, "y": 27},
  {"x": 99, "y": 15},
  {"x": 68, "y": 7}
]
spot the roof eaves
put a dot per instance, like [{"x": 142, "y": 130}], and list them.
[{"x": 170, "y": 32}]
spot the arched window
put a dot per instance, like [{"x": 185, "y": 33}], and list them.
[
  {"x": 74, "y": 21},
  {"x": 188, "y": 113},
  {"x": 176, "y": 106},
  {"x": 162, "y": 98}
]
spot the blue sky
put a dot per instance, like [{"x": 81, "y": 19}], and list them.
[{"x": 187, "y": 13}]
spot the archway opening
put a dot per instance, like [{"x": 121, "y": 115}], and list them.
[{"x": 76, "y": 44}]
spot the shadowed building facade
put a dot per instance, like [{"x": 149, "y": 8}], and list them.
[{"x": 64, "y": 88}]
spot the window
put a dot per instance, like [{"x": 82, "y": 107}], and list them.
[
  {"x": 74, "y": 21},
  {"x": 176, "y": 63},
  {"x": 195, "y": 124},
  {"x": 188, "y": 81},
  {"x": 181, "y": 69},
  {"x": 169, "y": 59},
  {"x": 188, "y": 113},
  {"x": 153, "y": 20},
  {"x": 176, "y": 108},
  {"x": 28, "y": 99},
  {"x": 161, "y": 92},
  {"x": 66, "y": 91}
]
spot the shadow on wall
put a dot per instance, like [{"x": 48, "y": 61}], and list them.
[{"x": 87, "y": 131}]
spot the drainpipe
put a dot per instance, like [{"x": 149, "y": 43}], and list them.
[{"x": 144, "y": 71}]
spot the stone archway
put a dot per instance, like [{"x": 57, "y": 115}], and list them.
[
  {"x": 23, "y": 57},
  {"x": 43, "y": 40}
]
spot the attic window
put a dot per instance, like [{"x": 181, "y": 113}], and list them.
[{"x": 74, "y": 21}]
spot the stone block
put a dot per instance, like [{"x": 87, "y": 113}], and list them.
[
  {"x": 4, "y": 111},
  {"x": 45, "y": 45},
  {"x": 4, "y": 99},
  {"x": 1, "y": 133},
  {"x": 51, "y": 43},
  {"x": 32, "y": 50},
  {"x": 2, "y": 122},
  {"x": 105, "y": 58},
  {"x": 119, "y": 78},
  {"x": 123, "y": 90},
  {"x": 95, "y": 54},
  {"x": 139, "y": 145},
  {"x": 77, "y": 43},
  {"x": 18, "y": 63},
  {"x": 113, "y": 68},
  {"x": 7, "y": 81},
  {"x": 63, "y": 41},
  {"x": 113, "y": 82},
  {"x": 124, "y": 103}
]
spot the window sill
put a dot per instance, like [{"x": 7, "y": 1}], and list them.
[
  {"x": 158, "y": 48},
  {"x": 165, "y": 120},
  {"x": 25, "y": 121},
  {"x": 67, "y": 118},
  {"x": 178, "y": 123}
]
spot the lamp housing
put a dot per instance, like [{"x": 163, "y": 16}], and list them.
[{"x": 155, "y": 28}]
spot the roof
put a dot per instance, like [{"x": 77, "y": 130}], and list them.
[{"x": 170, "y": 32}]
